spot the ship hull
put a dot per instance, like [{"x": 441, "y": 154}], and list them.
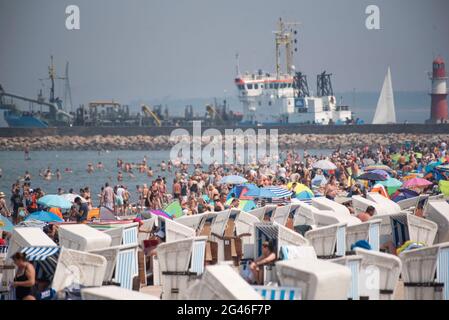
[{"x": 24, "y": 121}]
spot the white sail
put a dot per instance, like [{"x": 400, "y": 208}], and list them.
[{"x": 385, "y": 112}]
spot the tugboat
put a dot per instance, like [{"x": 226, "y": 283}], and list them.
[
  {"x": 284, "y": 98},
  {"x": 41, "y": 113}
]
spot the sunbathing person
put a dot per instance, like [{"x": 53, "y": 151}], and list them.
[
  {"x": 268, "y": 256},
  {"x": 365, "y": 216}
]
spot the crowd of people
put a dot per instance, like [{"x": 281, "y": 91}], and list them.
[{"x": 198, "y": 189}]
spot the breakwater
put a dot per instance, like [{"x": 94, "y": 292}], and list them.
[{"x": 162, "y": 142}]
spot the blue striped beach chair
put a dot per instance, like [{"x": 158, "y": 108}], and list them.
[
  {"x": 443, "y": 269},
  {"x": 44, "y": 260},
  {"x": 278, "y": 293},
  {"x": 126, "y": 266}
]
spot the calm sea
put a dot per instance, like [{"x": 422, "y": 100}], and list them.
[{"x": 14, "y": 165}]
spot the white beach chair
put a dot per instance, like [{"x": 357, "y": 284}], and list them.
[
  {"x": 360, "y": 204},
  {"x": 144, "y": 231},
  {"x": 244, "y": 225},
  {"x": 304, "y": 215},
  {"x": 281, "y": 215},
  {"x": 114, "y": 293},
  {"x": 438, "y": 212},
  {"x": 116, "y": 236},
  {"x": 443, "y": 268},
  {"x": 391, "y": 207},
  {"x": 317, "y": 279},
  {"x": 76, "y": 268},
  {"x": 329, "y": 241},
  {"x": 180, "y": 262},
  {"x": 280, "y": 236},
  {"x": 353, "y": 263},
  {"x": 379, "y": 273},
  {"x": 221, "y": 282},
  {"x": 175, "y": 230},
  {"x": 81, "y": 237},
  {"x": 409, "y": 204},
  {"x": 217, "y": 234},
  {"x": 418, "y": 271},
  {"x": 369, "y": 231},
  {"x": 196, "y": 221},
  {"x": 409, "y": 227},
  {"x": 27, "y": 237},
  {"x": 110, "y": 254},
  {"x": 323, "y": 203},
  {"x": 259, "y": 213},
  {"x": 278, "y": 293}
]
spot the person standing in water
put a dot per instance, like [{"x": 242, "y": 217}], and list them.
[
  {"x": 58, "y": 174},
  {"x": 26, "y": 152}
]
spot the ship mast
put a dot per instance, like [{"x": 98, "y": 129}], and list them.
[
  {"x": 285, "y": 37},
  {"x": 51, "y": 76}
]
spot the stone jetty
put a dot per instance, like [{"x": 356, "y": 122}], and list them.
[{"x": 142, "y": 142}]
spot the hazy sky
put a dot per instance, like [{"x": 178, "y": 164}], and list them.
[{"x": 146, "y": 49}]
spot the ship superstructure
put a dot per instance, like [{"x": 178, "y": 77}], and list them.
[{"x": 284, "y": 97}]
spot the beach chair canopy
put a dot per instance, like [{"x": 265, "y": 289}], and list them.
[
  {"x": 221, "y": 282},
  {"x": 28, "y": 237},
  {"x": 318, "y": 279},
  {"x": 114, "y": 293},
  {"x": 83, "y": 237}
]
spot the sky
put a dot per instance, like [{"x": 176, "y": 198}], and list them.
[{"x": 166, "y": 49}]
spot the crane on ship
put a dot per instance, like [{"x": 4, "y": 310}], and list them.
[{"x": 150, "y": 114}]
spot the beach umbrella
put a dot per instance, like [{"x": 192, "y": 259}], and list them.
[
  {"x": 444, "y": 187},
  {"x": 7, "y": 225},
  {"x": 377, "y": 167},
  {"x": 241, "y": 190},
  {"x": 432, "y": 165},
  {"x": 324, "y": 165},
  {"x": 270, "y": 192},
  {"x": 302, "y": 192},
  {"x": 391, "y": 184},
  {"x": 174, "y": 209},
  {"x": 72, "y": 196},
  {"x": 54, "y": 200},
  {"x": 371, "y": 177},
  {"x": 417, "y": 182},
  {"x": 443, "y": 167},
  {"x": 381, "y": 172},
  {"x": 161, "y": 213},
  {"x": 403, "y": 194},
  {"x": 44, "y": 216},
  {"x": 232, "y": 179},
  {"x": 245, "y": 205}
]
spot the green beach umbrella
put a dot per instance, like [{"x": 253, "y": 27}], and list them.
[
  {"x": 391, "y": 184},
  {"x": 174, "y": 209}
]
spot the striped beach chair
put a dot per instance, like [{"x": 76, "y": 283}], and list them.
[
  {"x": 443, "y": 268},
  {"x": 44, "y": 260},
  {"x": 278, "y": 293}
]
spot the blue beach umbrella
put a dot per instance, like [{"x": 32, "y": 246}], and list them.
[
  {"x": 270, "y": 192},
  {"x": 232, "y": 179},
  {"x": 54, "y": 201},
  {"x": 5, "y": 224},
  {"x": 44, "y": 216}
]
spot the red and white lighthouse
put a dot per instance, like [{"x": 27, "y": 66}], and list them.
[{"x": 439, "y": 109}]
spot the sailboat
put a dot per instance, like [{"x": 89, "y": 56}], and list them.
[{"x": 385, "y": 112}]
